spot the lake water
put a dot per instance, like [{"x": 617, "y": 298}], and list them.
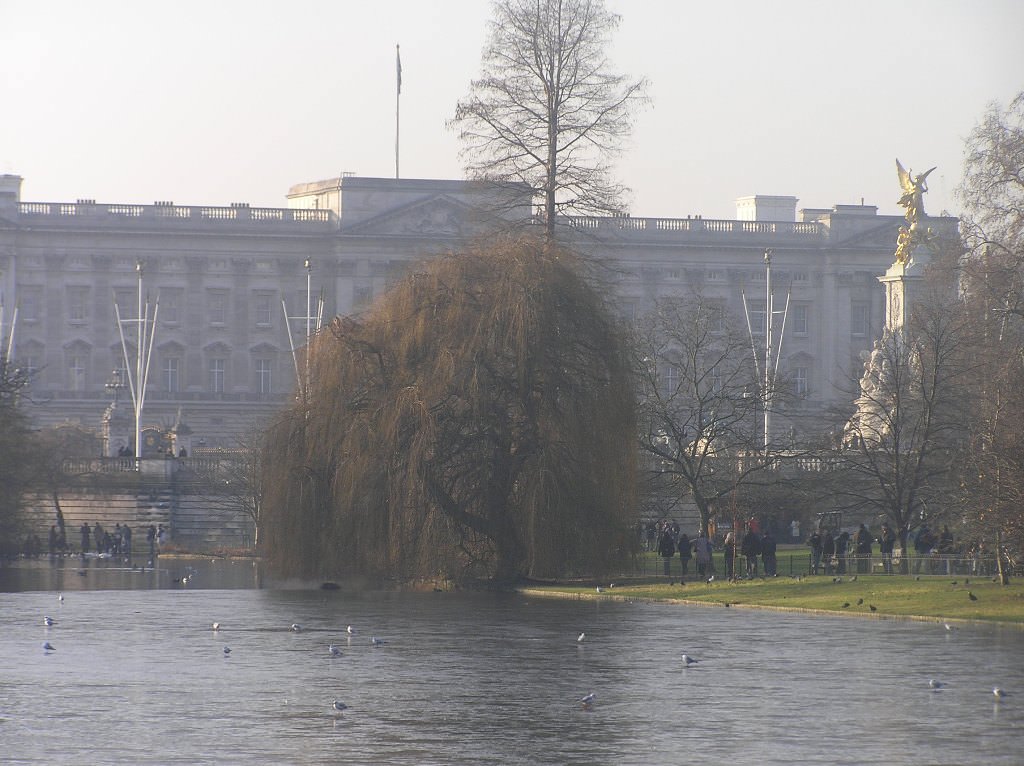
[{"x": 137, "y": 675}]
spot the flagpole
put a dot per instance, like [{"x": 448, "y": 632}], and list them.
[{"x": 398, "y": 94}]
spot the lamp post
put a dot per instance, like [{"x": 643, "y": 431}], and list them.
[
  {"x": 114, "y": 385},
  {"x": 313, "y": 323},
  {"x": 145, "y": 330},
  {"x": 768, "y": 341}
]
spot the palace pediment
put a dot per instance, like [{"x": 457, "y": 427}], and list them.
[{"x": 440, "y": 216}]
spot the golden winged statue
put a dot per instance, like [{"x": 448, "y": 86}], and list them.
[
  {"x": 914, "y": 188},
  {"x": 914, "y": 232}
]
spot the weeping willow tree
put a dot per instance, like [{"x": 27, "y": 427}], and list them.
[{"x": 477, "y": 422}]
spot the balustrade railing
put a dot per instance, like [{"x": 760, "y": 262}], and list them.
[
  {"x": 801, "y": 229},
  {"x": 168, "y": 212}
]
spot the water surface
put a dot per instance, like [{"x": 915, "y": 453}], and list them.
[{"x": 139, "y": 676}]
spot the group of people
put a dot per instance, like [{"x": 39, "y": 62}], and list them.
[
  {"x": 830, "y": 552},
  {"x": 116, "y": 542},
  {"x": 700, "y": 550}
]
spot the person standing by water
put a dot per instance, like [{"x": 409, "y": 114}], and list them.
[
  {"x": 815, "y": 542},
  {"x": 863, "y": 542},
  {"x": 768, "y": 548},
  {"x": 685, "y": 552},
  {"x": 729, "y": 548},
  {"x": 886, "y": 542},
  {"x": 667, "y": 548},
  {"x": 702, "y": 554},
  {"x": 84, "y": 530},
  {"x": 751, "y": 548}
]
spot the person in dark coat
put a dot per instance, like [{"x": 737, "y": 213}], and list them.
[
  {"x": 685, "y": 552},
  {"x": 886, "y": 542},
  {"x": 815, "y": 542},
  {"x": 667, "y": 549},
  {"x": 751, "y": 548},
  {"x": 863, "y": 542},
  {"x": 828, "y": 549},
  {"x": 842, "y": 544},
  {"x": 768, "y": 554}
]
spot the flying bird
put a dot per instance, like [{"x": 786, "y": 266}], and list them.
[
  {"x": 335, "y": 651},
  {"x": 688, "y": 661},
  {"x": 587, "y": 702},
  {"x": 339, "y": 706}
]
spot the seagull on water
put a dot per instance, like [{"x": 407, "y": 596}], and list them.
[
  {"x": 227, "y": 650},
  {"x": 581, "y": 638},
  {"x": 587, "y": 702},
  {"x": 216, "y": 626},
  {"x": 350, "y": 630},
  {"x": 935, "y": 685},
  {"x": 377, "y": 641},
  {"x": 48, "y": 647},
  {"x": 60, "y": 596},
  {"x": 296, "y": 628},
  {"x": 999, "y": 693},
  {"x": 335, "y": 651},
  {"x": 688, "y": 661},
  {"x": 48, "y": 621},
  {"x": 339, "y": 706}
]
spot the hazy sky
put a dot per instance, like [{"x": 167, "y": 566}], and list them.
[{"x": 213, "y": 102}]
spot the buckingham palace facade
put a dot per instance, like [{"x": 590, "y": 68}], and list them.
[{"x": 229, "y": 280}]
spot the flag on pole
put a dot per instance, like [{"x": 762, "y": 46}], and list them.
[{"x": 398, "y": 68}]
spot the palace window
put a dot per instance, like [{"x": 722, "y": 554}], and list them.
[
  {"x": 78, "y": 298},
  {"x": 860, "y": 319},
  {"x": 170, "y": 305},
  {"x": 799, "y": 319},
  {"x": 217, "y": 372},
  {"x": 217, "y": 306},
  {"x": 77, "y": 365},
  {"x": 172, "y": 366},
  {"x": 263, "y": 375},
  {"x": 800, "y": 384}
]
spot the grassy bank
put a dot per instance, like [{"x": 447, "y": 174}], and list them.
[{"x": 903, "y": 596}]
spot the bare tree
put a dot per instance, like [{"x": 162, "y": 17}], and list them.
[
  {"x": 478, "y": 421},
  {"x": 235, "y": 483},
  {"x": 992, "y": 192},
  {"x": 911, "y": 423},
  {"x": 546, "y": 110},
  {"x": 699, "y": 404}
]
